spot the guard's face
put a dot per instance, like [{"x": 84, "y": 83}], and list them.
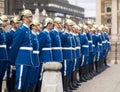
[
  {"x": 58, "y": 25},
  {"x": 30, "y": 18},
  {"x": 61, "y": 26},
  {"x": 77, "y": 31},
  {"x": 50, "y": 26},
  {"x": 39, "y": 27},
  {"x": 17, "y": 25},
  {"x": 70, "y": 27},
  {"x": 85, "y": 30},
  {"x": 90, "y": 26},
  {"x": 5, "y": 23},
  {"x": 34, "y": 28}
]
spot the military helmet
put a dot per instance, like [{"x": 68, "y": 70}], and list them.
[
  {"x": 85, "y": 27},
  {"x": 106, "y": 28},
  {"x": 95, "y": 26},
  {"x": 57, "y": 20},
  {"x": 69, "y": 22},
  {"x": 99, "y": 28},
  {"x": 47, "y": 21},
  {"x": 89, "y": 22},
  {"x": 16, "y": 19},
  {"x": 80, "y": 25},
  {"x": 35, "y": 22},
  {"x": 26, "y": 13},
  {"x": 77, "y": 27},
  {"x": 4, "y": 18},
  {"x": 93, "y": 29}
]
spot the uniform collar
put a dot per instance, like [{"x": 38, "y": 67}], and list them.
[
  {"x": 76, "y": 34},
  {"x": 13, "y": 29},
  {"x": 66, "y": 31},
  {"x": 71, "y": 32},
  {"x": 56, "y": 29},
  {"x": 62, "y": 30},
  {"x": 25, "y": 25},
  {"x": 38, "y": 33},
  {"x": 99, "y": 33},
  {"x": 34, "y": 32},
  {"x": 84, "y": 33},
  {"x": 46, "y": 30}
]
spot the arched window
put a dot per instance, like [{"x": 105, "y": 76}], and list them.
[
  {"x": 108, "y": 9},
  {"x": 109, "y": 21}
]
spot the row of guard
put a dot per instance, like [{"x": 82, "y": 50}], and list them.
[{"x": 80, "y": 48}]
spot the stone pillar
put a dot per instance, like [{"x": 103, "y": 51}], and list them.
[
  {"x": 98, "y": 12},
  {"x": 52, "y": 78},
  {"x": 114, "y": 33}
]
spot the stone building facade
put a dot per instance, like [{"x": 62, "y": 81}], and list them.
[{"x": 108, "y": 12}]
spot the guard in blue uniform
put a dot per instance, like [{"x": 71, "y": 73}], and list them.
[
  {"x": 56, "y": 41},
  {"x": 15, "y": 22},
  {"x": 38, "y": 86},
  {"x": 35, "y": 56},
  {"x": 67, "y": 54},
  {"x": 78, "y": 54},
  {"x": 95, "y": 49},
  {"x": 100, "y": 49},
  {"x": 105, "y": 32},
  {"x": 84, "y": 52},
  {"x": 107, "y": 39},
  {"x": 81, "y": 79},
  {"x": 104, "y": 48},
  {"x": 3, "y": 49},
  {"x": 45, "y": 47},
  {"x": 45, "y": 42},
  {"x": 21, "y": 52},
  {"x": 73, "y": 83},
  {"x": 90, "y": 59}
]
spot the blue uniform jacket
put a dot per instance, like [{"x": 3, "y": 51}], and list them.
[
  {"x": 89, "y": 36},
  {"x": 35, "y": 55},
  {"x": 95, "y": 39},
  {"x": 84, "y": 44},
  {"x": 66, "y": 45},
  {"x": 3, "y": 47},
  {"x": 56, "y": 46},
  {"x": 10, "y": 36},
  {"x": 45, "y": 46},
  {"x": 21, "y": 49},
  {"x": 108, "y": 41},
  {"x": 9, "y": 41},
  {"x": 73, "y": 46},
  {"x": 103, "y": 41},
  {"x": 78, "y": 46},
  {"x": 100, "y": 43}
]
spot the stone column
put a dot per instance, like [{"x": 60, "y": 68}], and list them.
[
  {"x": 98, "y": 12},
  {"x": 52, "y": 78},
  {"x": 114, "y": 36}
]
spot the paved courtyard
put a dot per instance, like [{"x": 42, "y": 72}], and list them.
[{"x": 107, "y": 81}]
